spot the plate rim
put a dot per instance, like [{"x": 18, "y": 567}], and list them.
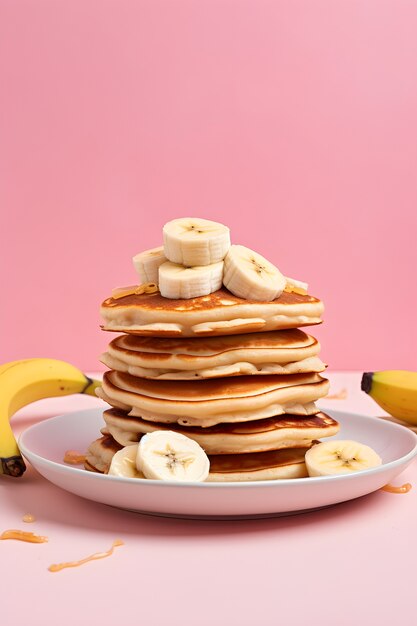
[{"x": 269, "y": 484}]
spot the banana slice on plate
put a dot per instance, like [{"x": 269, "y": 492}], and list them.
[
  {"x": 179, "y": 282},
  {"x": 167, "y": 455},
  {"x": 340, "y": 457},
  {"x": 249, "y": 275},
  {"x": 124, "y": 463},
  {"x": 194, "y": 241},
  {"x": 147, "y": 264}
]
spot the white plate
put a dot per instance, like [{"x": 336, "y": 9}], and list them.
[{"x": 45, "y": 443}]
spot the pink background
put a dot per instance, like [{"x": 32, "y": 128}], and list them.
[{"x": 295, "y": 123}]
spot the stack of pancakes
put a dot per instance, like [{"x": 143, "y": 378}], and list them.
[{"x": 237, "y": 376}]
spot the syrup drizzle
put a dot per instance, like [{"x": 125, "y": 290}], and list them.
[
  {"x": 72, "y": 457},
  {"x": 23, "y": 535},
  {"x": 98, "y": 555},
  {"x": 391, "y": 489}
]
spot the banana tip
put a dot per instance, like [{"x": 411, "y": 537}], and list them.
[
  {"x": 366, "y": 382},
  {"x": 91, "y": 386},
  {"x": 12, "y": 466}
]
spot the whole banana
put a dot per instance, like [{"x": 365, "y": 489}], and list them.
[
  {"x": 395, "y": 391},
  {"x": 23, "y": 382}
]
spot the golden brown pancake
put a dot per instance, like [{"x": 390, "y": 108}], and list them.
[
  {"x": 219, "y": 313},
  {"x": 273, "y": 465},
  {"x": 274, "y": 433},
  {"x": 274, "y": 352},
  {"x": 100, "y": 453},
  {"x": 213, "y": 401}
]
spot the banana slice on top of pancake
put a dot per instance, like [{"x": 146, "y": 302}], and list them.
[
  {"x": 249, "y": 275},
  {"x": 192, "y": 241},
  {"x": 147, "y": 264},
  {"x": 178, "y": 282}
]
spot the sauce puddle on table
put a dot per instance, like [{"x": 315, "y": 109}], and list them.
[
  {"x": 23, "y": 535},
  {"x": 98, "y": 555}
]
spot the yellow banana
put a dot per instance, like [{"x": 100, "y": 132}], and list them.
[
  {"x": 23, "y": 382},
  {"x": 395, "y": 391}
]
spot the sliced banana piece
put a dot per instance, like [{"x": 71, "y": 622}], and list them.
[
  {"x": 192, "y": 241},
  {"x": 147, "y": 264},
  {"x": 179, "y": 282},
  {"x": 249, "y": 275},
  {"x": 124, "y": 463},
  {"x": 340, "y": 457},
  {"x": 167, "y": 455}
]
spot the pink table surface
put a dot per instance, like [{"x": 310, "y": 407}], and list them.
[{"x": 352, "y": 563}]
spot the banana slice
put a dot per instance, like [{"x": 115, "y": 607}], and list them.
[
  {"x": 166, "y": 455},
  {"x": 179, "y": 282},
  {"x": 248, "y": 275},
  {"x": 192, "y": 241},
  {"x": 340, "y": 457},
  {"x": 147, "y": 264},
  {"x": 124, "y": 463}
]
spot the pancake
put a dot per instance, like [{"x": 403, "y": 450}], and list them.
[
  {"x": 273, "y": 465},
  {"x": 275, "y": 352},
  {"x": 100, "y": 453},
  {"x": 208, "y": 402},
  {"x": 219, "y": 313},
  {"x": 286, "y": 431}
]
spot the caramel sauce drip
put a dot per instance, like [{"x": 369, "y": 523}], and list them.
[
  {"x": 391, "y": 489},
  {"x": 289, "y": 288},
  {"x": 98, "y": 555},
  {"x": 121, "y": 292},
  {"x": 146, "y": 288},
  {"x": 23, "y": 535},
  {"x": 72, "y": 457},
  {"x": 28, "y": 518},
  {"x": 138, "y": 290}
]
